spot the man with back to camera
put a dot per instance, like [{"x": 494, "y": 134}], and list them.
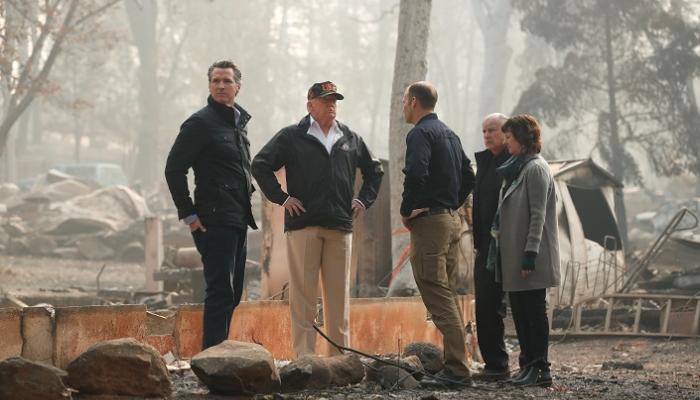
[
  {"x": 214, "y": 143},
  {"x": 320, "y": 156},
  {"x": 438, "y": 180},
  {"x": 488, "y": 294}
]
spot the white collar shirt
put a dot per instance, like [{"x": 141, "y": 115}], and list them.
[{"x": 326, "y": 140}]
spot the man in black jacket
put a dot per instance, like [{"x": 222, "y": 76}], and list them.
[
  {"x": 438, "y": 180},
  {"x": 214, "y": 143},
  {"x": 489, "y": 297},
  {"x": 320, "y": 156}
]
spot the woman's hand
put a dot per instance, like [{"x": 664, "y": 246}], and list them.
[{"x": 528, "y": 265}]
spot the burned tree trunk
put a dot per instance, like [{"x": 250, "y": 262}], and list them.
[
  {"x": 142, "y": 20},
  {"x": 493, "y": 17},
  {"x": 410, "y": 65}
]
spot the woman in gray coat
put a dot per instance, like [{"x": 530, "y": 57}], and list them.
[{"x": 525, "y": 252}]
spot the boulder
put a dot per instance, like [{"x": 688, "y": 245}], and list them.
[
  {"x": 30, "y": 380},
  {"x": 346, "y": 369},
  {"x": 411, "y": 364},
  {"x": 124, "y": 367},
  {"x": 313, "y": 372},
  {"x": 391, "y": 377},
  {"x": 430, "y": 355},
  {"x": 237, "y": 368}
]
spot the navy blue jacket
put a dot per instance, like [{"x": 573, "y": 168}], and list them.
[{"x": 438, "y": 173}]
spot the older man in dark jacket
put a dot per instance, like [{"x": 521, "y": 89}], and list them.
[
  {"x": 489, "y": 296},
  {"x": 214, "y": 143},
  {"x": 320, "y": 156}
]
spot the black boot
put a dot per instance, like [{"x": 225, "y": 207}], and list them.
[
  {"x": 536, "y": 376},
  {"x": 520, "y": 375}
]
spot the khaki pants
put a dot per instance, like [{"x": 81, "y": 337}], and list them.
[
  {"x": 309, "y": 251},
  {"x": 434, "y": 251}
]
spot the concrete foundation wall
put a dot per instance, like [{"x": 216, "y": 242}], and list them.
[
  {"x": 10, "y": 332},
  {"x": 38, "y": 332},
  {"x": 377, "y": 325},
  {"x": 78, "y": 328}
]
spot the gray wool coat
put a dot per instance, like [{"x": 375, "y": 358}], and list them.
[{"x": 528, "y": 222}]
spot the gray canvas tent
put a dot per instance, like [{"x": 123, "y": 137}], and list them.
[{"x": 592, "y": 230}]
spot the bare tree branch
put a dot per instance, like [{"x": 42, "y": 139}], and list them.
[
  {"x": 95, "y": 12},
  {"x": 165, "y": 90},
  {"x": 14, "y": 112},
  {"x": 382, "y": 15},
  {"x": 22, "y": 11},
  {"x": 37, "y": 49}
]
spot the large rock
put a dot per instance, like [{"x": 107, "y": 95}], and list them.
[
  {"x": 411, "y": 364},
  {"x": 430, "y": 355},
  {"x": 237, "y": 368},
  {"x": 124, "y": 367},
  {"x": 30, "y": 380},
  {"x": 312, "y": 372},
  {"x": 391, "y": 377}
]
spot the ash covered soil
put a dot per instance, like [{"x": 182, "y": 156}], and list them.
[
  {"x": 670, "y": 370},
  {"x": 43, "y": 273}
]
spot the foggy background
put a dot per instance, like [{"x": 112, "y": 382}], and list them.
[{"x": 131, "y": 71}]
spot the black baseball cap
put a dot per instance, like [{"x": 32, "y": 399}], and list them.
[{"x": 323, "y": 89}]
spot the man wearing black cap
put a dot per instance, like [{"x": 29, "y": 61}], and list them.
[
  {"x": 320, "y": 156},
  {"x": 214, "y": 143}
]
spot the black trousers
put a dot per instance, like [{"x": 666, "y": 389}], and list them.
[
  {"x": 529, "y": 309},
  {"x": 490, "y": 312},
  {"x": 223, "y": 251}
]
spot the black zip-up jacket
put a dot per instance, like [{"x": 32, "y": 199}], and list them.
[
  {"x": 218, "y": 151},
  {"x": 488, "y": 183},
  {"x": 438, "y": 173},
  {"x": 322, "y": 182}
]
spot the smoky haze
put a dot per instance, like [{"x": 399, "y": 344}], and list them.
[
  {"x": 125, "y": 78},
  {"x": 93, "y": 93}
]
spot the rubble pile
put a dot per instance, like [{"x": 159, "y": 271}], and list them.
[
  {"x": 65, "y": 217},
  {"x": 675, "y": 267}
]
